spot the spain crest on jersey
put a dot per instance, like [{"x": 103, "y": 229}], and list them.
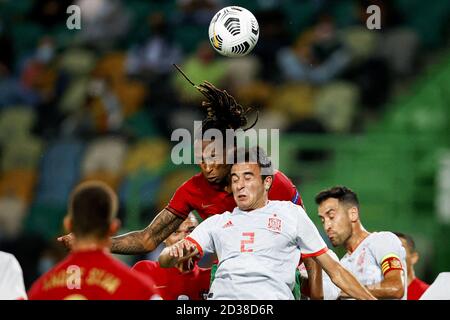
[{"x": 274, "y": 224}]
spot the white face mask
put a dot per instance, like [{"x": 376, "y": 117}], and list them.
[
  {"x": 45, "y": 53},
  {"x": 45, "y": 264}
]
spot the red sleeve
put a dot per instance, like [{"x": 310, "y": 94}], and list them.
[
  {"x": 147, "y": 287},
  {"x": 146, "y": 266},
  {"x": 179, "y": 204},
  {"x": 283, "y": 189}
]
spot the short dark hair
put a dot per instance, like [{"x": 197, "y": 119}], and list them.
[
  {"x": 255, "y": 154},
  {"x": 409, "y": 240},
  {"x": 92, "y": 207},
  {"x": 343, "y": 194}
]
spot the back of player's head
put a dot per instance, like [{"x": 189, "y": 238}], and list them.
[
  {"x": 409, "y": 240},
  {"x": 341, "y": 193},
  {"x": 255, "y": 155},
  {"x": 92, "y": 208}
]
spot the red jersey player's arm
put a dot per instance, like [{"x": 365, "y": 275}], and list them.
[
  {"x": 146, "y": 240},
  {"x": 166, "y": 222},
  {"x": 391, "y": 287}
]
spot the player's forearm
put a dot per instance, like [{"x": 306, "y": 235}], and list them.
[
  {"x": 131, "y": 243},
  {"x": 144, "y": 241},
  {"x": 350, "y": 285},
  {"x": 315, "y": 282},
  {"x": 387, "y": 290}
]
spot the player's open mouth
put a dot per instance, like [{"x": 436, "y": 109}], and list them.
[{"x": 242, "y": 196}]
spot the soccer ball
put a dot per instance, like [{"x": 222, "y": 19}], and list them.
[{"x": 233, "y": 31}]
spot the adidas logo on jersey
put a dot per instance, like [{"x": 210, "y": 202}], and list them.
[{"x": 228, "y": 224}]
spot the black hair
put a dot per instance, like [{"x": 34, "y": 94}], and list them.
[
  {"x": 92, "y": 209},
  {"x": 343, "y": 194}
]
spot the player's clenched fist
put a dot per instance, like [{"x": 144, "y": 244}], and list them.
[
  {"x": 182, "y": 249},
  {"x": 67, "y": 240}
]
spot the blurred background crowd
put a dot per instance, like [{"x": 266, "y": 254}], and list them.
[{"x": 366, "y": 108}]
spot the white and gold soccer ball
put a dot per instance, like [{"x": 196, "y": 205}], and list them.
[{"x": 233, "y": 31}]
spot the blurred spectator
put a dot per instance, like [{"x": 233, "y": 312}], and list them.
[
  {"x": 49, "y": 13},
  {"x": 7, "y": 51},
  {"x": 104, "y": 22},
  {"x": 272, "y": 37},
  {"x": 155, "y": 58},
  {"x": 198, "y": 12},
  {"x": 200, "y": 66},
  {"x": 317, "y": 57}
]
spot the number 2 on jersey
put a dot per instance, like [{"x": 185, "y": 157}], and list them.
[{"x": 250, "y": 239}]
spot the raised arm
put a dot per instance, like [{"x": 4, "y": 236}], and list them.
[
  {"x": 343, "y": 278},
  {"x": 179, "y": 252},
  {"x": 146, "y": 240}
]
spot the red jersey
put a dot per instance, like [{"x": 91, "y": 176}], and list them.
[
  {"x": 92, "y": 275},
  {"x": 416, "y": 288},
  {"x": 174, "y": 285},
  {"x": 208, "y": 199}
]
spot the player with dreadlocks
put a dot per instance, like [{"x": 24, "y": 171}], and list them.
[{"x": 207, "y": 192}]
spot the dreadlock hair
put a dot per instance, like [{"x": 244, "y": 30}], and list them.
[{"x": 222, "y": 110}]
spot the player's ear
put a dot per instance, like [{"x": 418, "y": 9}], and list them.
[
  {"x": 414, "y": 258},
  {"x": 268, "y": 182},
  {"x": 353, "y": 214},
  {"x": 115, "y": 226},
  {"x": 67, "y": 223}
]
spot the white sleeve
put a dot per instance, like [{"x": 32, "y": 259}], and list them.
[
  {"x": 202, "y": 235},
  {"x": 387, "y": 245},
  {"x": 308, "y": 239},
  {"x": 11, "y": 280}
]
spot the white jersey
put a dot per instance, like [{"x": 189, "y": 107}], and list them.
[
  {"x": 259, "y": 250},
  {"x": 370, "y": 260},
  {"x": 11, "y": 278}
]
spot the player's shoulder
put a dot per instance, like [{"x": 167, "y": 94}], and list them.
[
  {"x": 285, "y": 204},
  {"x": 7, "y": 258},
  {"x": 218, "y": 218},
  {"x": 192, "y": 182},
  {"x": 280, "y": 179},
  {"x": 385, "y": 236},
  {"x": 146, "y": 265}
]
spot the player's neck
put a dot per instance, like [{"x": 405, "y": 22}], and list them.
[
  {"x": 411, "y": 275},
  {"x": 357, "y": 237},
  {"x": 90, "y": 245}
]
